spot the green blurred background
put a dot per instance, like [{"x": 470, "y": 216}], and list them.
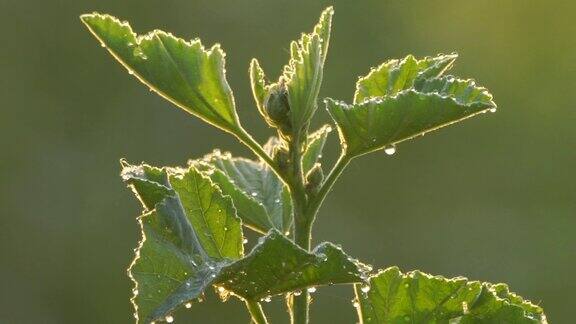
[{"x": 493, "y": 198}]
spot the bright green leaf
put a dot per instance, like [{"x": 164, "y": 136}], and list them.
[
  {"x": 397, "y": 75},
  {"x": 259, "y": 86},
  {"x": 314, "y": 148},
  {"x": 182, "y": 72},
  {"x": 382, "y": 122},
  {"x": 303, "y": 74},
  {"x": 415, "y": 297}
]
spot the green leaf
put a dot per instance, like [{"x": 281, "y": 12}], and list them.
[
  {"x": 182, "y": 72},
  {"x": 397, "y": 75},
  {"x": 191, "y": 240},
  {"x": 194, "y": 197},
  {"x": 259, "y": 87},
  {"x": 259, "y": 195},
  {"x": 383, "y": 122},
  {"x": 190, "y": 230},
  {"x": 415, "y": 297},
  {"x": 276, "y": 266},
  {"x": 314, "y": 148},
  {"x": 302, "y": 76}
]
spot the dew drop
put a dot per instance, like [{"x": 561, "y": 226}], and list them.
[
  {"x": 221, "y": 289},
  {"x": 244, "y": 241},
  {"x": 277, "y": 200},
  {"x": 390, "y": 150},
  {"x": 355, "y": 303},
  {"x": 312, "y": 289},
  {"x": 254, "y": 194},
  {"x": 139, "y": 53},
  {"x": 492, "y": 110},
  {"x": 365, "y": 288},
  {"x": 103, "y": 45},
  {"x": 267, "y": 299},
  {"x": 130, "y": 72},
  {"x": 297, "y": 293},
  {"x": 169, "y": 319},
  {"x": 188, "y": 305}
]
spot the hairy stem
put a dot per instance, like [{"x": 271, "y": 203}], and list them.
[{"x": 256, "y": 312}]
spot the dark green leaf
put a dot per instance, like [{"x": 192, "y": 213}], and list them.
[
  {"x": 258, "y": 194},
  {"x": 184, "y": 73},
  {"x": 276, "y": 265},
  {"x": 415, "y": 297},
  {"x": 397, "y": 75}
]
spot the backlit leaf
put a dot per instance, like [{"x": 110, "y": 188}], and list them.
[
  {"x": 397, "y": 75},
  {"x": 259, "y": 195},
  {"x": 183, "y": 72},
  {"x": 416, "y": 297},
  {"x": 385, "y": 121}
]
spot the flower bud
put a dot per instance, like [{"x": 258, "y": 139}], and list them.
[
  {"x": 277, "y": 108},
  {"x": 314, "y": 179}
]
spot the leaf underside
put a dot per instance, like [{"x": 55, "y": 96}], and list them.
[
  {"x": 260, "y": 197},
  {"x": 417, "y": 297},
  {"x": 192, "y": 239},
  {"x": 183, "y": 72}
]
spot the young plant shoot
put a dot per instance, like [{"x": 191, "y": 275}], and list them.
[{"x": 194, "y": 216}]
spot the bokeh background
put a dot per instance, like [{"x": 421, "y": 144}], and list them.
[{"x": 493, "y": 198}]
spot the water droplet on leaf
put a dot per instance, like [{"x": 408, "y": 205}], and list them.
[{"x": 390, "y": 150}]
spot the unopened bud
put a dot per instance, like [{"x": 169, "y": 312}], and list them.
[
  {"x": 314, "y": 178},
  {"x": 277, "y": 108},
  {"x": 282, "y": 158}
]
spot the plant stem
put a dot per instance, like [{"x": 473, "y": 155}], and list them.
[
  {"x": 256, "y": 312},
  {"x": 316, "y": 201},
  {"x": 247, "y": 140},
  {"x": 300, "y": 306}
]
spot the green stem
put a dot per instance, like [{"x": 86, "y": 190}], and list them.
[
  {"x": 247, "y": 140},
  {"x": 316, "y": 201},
  {"x": 299, "y": 305},
  {"x": 256, "y": 312}
]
